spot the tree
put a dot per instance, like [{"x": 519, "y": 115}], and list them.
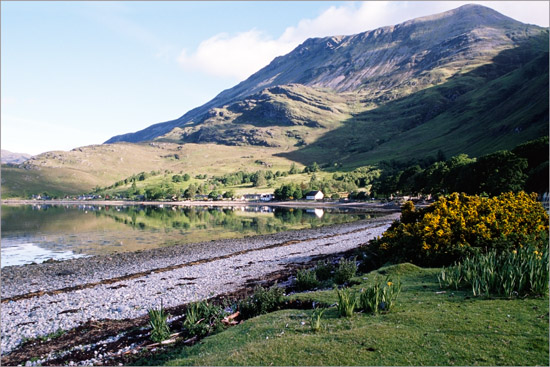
[
  {"x": 229, "y": 194},
  {"x": 190, "y": 192},
  {"x": 259, "y": 179},
  {"x": 500, "y": 172},
  {"x": 293, "y": 169}
]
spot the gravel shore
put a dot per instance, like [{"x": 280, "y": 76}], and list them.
[{"x": 177, "y": 275}]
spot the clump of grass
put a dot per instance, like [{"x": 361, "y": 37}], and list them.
[
  {"x": 345, "y": 271},
  {"x": 346, "y": 302},
  {"x": 380, "y": 297},
  {"x": 159, "y": 325},
  {"x": 316, "y": 319},
  {"x": 520, "y": 272},
  {"x": 261, "y": 302},
  {"x": 202, "y": 318},
  {"x": 306, "y": 279}
]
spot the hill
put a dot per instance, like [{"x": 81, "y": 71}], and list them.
[
  {"x": 469, "y": 80},
  {"x": 82, "y": 169},
  {"x": 355, "y": 93}
]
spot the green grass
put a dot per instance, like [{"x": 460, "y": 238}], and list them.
[{"x": 425, "y": 328}]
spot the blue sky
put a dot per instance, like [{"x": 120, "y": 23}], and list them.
[{"x": 78, "y": 73}]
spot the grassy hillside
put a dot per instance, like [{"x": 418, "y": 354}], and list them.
[
  {"x": 427, "y": 327},
  {"x": 82, "y": 169},
  {"x": 490, "y": 108}
]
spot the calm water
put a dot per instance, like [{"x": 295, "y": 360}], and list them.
[{"x": 36, "y": 233}]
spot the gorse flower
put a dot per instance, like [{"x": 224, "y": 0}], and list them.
[{"x": 459, "y": 225}]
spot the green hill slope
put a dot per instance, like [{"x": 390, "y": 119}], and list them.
[{"x": 493, "y": 107}]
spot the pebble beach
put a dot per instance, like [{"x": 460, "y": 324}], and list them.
[{"x": 41, "y": 299}]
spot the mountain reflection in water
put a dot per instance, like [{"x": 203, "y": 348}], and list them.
[{"x": 36, "y": 233}]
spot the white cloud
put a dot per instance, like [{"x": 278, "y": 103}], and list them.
[
  {"x": 238, "y": 56},
  {"x": 235, "y": 56}
]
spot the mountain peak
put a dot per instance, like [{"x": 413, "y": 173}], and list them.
[
  {"x": 379, "y": 65},
  {"x": 469, "y": 14}
]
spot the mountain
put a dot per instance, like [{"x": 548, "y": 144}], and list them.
[
  {"x": 408, "y": 89},
  {"x": 13, "y": 158}
]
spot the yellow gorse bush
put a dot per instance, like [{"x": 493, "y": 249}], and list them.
[{"x": 462, "y": 224}]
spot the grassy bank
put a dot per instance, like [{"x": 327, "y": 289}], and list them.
[{"x": 428, "y": 326}]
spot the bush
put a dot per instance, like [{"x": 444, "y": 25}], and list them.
[
  {"x": 459, "y": 226},
  {"x": 517, "y": 273},
  {"x": 159, "y": 325},
  {"x": 323, "y": 270},
  {"x": 306, "y": 279},
  {"x": 345, "y": 271},
  {"x": 202, "y": 318},
  {"x": 261, "y": 302}
]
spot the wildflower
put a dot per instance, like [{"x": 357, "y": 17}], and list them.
[
  {"x": 390, "y": 284},
  {"x": 514, "y": 252}
]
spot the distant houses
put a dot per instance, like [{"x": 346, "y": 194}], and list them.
[
  {"x": 256, "y": 197},
  {"x": 315, "y": 195}
]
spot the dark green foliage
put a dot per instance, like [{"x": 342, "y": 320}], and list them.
[
  {"x": 345, "y": 271},
  {"x": 202, "y": 318},
  {"x": 498, "y": 172},
  {"x": 261, "y": 302},
  {"x": 290, "y": 191},
  {"x": 323, "y": 270},
  {"x": 314, "y": 167},
  {"x": 492, "y": 174},
  {"x": 306, "y": 280},
  {"x": 535, "y": 151}
]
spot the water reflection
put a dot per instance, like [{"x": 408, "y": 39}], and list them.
[{"x": 38, "y": 232}]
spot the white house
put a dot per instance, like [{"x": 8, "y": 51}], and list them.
[
  {"x": 266, "y": 197},
  {"x": 315, "y": 195}
]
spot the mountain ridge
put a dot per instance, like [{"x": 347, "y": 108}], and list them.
[{"x": 375, "y": 62}]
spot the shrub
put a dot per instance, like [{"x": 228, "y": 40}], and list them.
[
  {"x": 519, "y": 272},
  {"x": 346, "y": 302},
  {"x": 380, "y": 296},
  {"x": 159, "y": 325},
  {"x": 345, "y": 271},
  {"x": 461, "y": 225},
  {"x": 323, "y": 270},
  {"x": 306, "y": 279},
  {"x": 202, "y": 318},
  {"x": 261, "y": 302}
]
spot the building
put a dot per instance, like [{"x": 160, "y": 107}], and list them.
[
  {"x": 315, "y": 195},
  {"x": 266, "y": 197}
]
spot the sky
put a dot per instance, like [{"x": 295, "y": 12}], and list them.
[{"x": 75, "y": 73}]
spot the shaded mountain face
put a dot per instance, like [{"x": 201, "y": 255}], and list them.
[{"x": 381, "y": 83}]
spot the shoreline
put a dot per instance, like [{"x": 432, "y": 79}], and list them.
[
  {"x": 124, "y": 286},
  {"x": 235, "y": 203}
]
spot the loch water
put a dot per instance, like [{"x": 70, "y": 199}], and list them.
[{"x": 44, "y": 232}]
